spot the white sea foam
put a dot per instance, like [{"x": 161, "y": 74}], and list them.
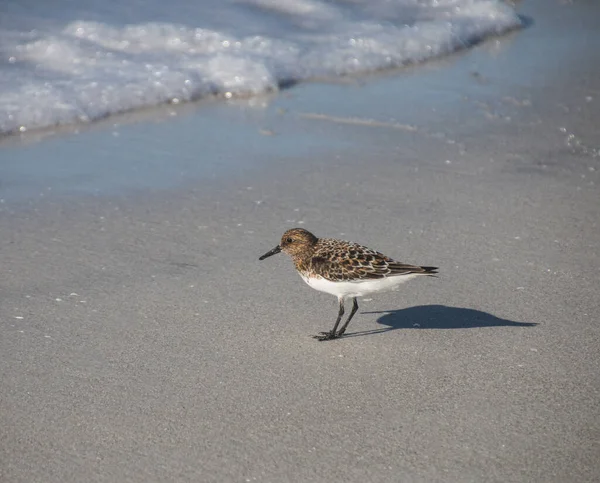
[{"x": 68, "y": 62}]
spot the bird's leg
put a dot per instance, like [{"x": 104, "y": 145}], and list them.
[
  {"x": 331, "y": 335},
  {"x": 354, "y": 309}
]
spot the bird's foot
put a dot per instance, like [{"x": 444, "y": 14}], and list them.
[{"x": 326, "y": 336}]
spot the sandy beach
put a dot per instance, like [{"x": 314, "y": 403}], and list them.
[{"x": 143, "y": 341}]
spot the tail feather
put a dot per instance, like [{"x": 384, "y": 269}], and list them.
[
  {"x": 431, "y": 271},
  {"x": 397, "y": 268}
]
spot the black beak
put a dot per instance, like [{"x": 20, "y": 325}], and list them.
[{"x": 275, "y": 251}]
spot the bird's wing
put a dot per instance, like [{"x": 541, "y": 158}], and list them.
[{"x": 350, "y": 261}]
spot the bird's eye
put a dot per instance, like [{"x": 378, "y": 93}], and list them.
[{"x": 289, "y": 240}]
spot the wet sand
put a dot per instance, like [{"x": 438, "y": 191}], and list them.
[{"x": 144, "y": 341}]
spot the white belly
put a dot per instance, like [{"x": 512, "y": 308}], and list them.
[{"x": 357, "y": 289}]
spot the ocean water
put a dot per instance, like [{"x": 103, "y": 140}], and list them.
[{"x": 70, "y": 61}]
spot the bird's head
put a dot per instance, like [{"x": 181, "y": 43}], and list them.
[{"x": 294, "y": 242}]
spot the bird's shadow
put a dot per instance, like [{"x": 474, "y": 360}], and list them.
[{"x": 437, "y": 317}]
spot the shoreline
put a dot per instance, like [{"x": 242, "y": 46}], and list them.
[{"x": 484, "y": 87}]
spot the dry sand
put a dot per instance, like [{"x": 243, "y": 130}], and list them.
[{"x": 142, "y": 340}]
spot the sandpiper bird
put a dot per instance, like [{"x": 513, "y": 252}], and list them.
[{"x": 344, "y": 269}]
